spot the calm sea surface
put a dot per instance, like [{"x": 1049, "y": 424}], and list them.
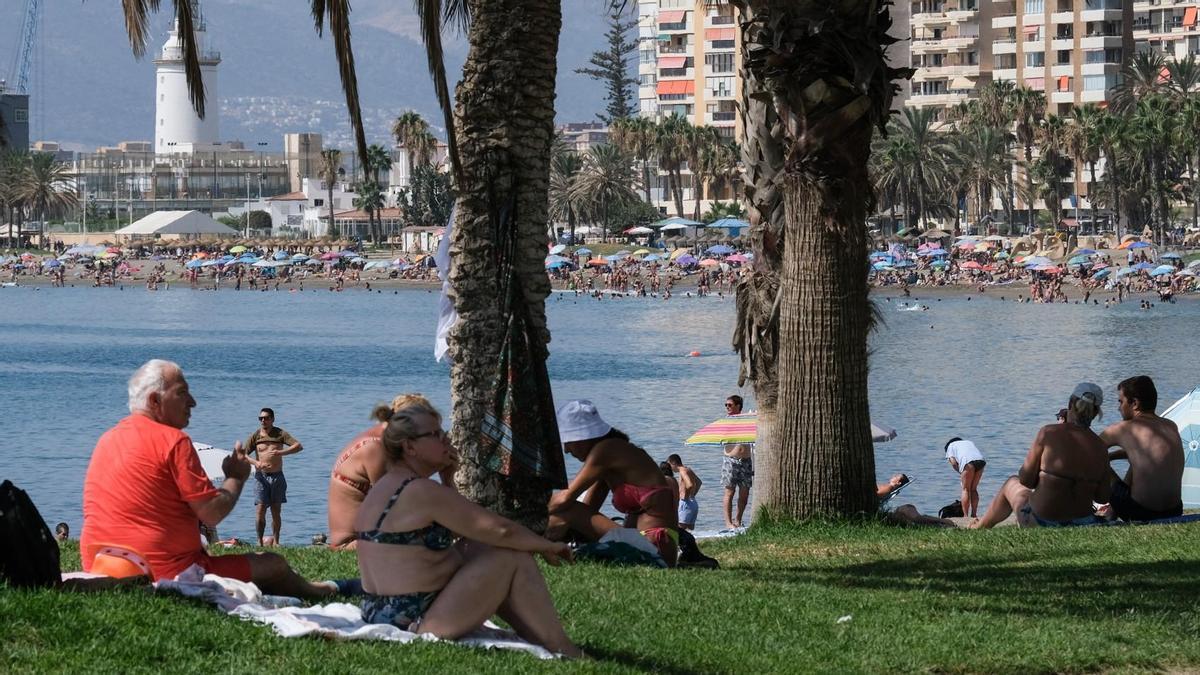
[{"x": 982, "y": 369}]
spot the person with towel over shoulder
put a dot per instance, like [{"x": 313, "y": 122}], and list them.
[{"x": 967, "y": 460}]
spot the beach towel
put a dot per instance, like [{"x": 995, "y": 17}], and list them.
[{"x": 289, "y": 618}]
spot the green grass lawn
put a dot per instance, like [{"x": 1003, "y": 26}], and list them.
[{"x": 1007, "y": 600}]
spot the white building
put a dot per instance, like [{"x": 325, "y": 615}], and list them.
[{"x": 177, "y": 127}]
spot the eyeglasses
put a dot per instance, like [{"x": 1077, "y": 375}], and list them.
[{"x": 438, "y": 434}]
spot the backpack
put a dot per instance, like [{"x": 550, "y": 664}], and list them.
[
  {"x": 953, "y": 510},
  {"x": 28, "y": 553}
]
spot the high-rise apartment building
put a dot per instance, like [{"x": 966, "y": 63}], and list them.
[
  {"x": 1169, "y": 27},
  {"x": 951, "y": 50}
]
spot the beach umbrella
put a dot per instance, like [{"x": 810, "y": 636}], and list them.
[
  {"x": 299, "y": 257},
  {"x": 904, "y": 264},
  {"x": 52, "y": 263},
  {"x": 1036, "y": 260},
  {"x": 1185, "y": 273},
  {"x": 729, "y": 223},
  {"x": 653, "y": 257},
  {"x": 971, "y": 265},
  {"x": 1085, "y": 251},
  {"x": 347, "y": 253},
  {"x": 1143, "y": 266},
  {"x": 879, "y": 254},
  {"x": 744, "y": 429},
  {"x": 193, "y": 264},
  {"x": 1101, "y": 274},
  {"x": 737, "y": 258},
  {"x": 614, "y": 258},
  {"x": 330, "y": 255},
  {"x": 557, "y": 248},
  {"x": 1051, "y": 269},
  {"x": 1002, "y": 255},
  {"x": 583, "y": 250},
  {"x": 939, "y": 264},
  {"x": 555, "y": 259},
  {"x": 312, "y": 261},
  {"x": 264, "y": 263},
  {"x": 719, "y": 249},
  {"x": 709, "y": 262},
  {"x": 1185, "y": 413},
  {"x": 686, "y": 260},
  {"x": 676, "y": 222},
  {"x": 1080, "y": 260},
  {"x": 641, "y": 229},
  {"x": 1170, "y": 256},
  {"x": 641, "y": 251},
  {"x": 280, "y": 255},
  {"x": 237, "y": 249},
  {"x": 1140, "y": 244},
  {"x": 597, "y": 262},
  {"x": 1125, "y": 271},
  {"x": 1161, "y": 270},
  {"x": 679, "y": 253}
]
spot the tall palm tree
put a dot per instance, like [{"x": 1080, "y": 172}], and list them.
[
  {"x": 981, "y": 158},
  {"x": 411, "y": 132},
  {"x": 1052, "y": 166},
  {"x": 607, "y": 179},
  {"x": 1027, "y": 108},
  {"x": 1141, "y": 77},
  {"x": 377, "y": 161},
  {"x": 815, "y": 86},
  {"x": 1113, "y": 136},
  {"x": 702, "y": 144},
  {"x": 671, "y": 148},
  {"x": 46, "y": 186},
  {"x": 1153, "y": 124},
  {"x": 564, "y": 201},
  {"x": 369, "y": 197},
  {"x": 12, "y": 205},
  {"x": 930, "y": 152},
  {"x": 330, "y": 170},
  {"x": 1187, "y": 133},
  {"x": 1083, "y": 144},
  {"x": 636, "y": 136},
  {"x": 1183, "y": 77}
]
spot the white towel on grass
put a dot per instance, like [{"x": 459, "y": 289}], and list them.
[{"x": 288, "y": 618}]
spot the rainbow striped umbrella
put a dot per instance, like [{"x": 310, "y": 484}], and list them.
[{"x": 744, "y": 429}]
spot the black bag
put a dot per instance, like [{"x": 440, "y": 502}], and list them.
[
  {"x": 28, "y": 552},
  {"x": 953, "y": 510}
]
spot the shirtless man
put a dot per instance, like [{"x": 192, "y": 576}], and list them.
[
  {"x": 689, "y": 485},
  {"x": 269, "y": 444},
  {"x": 737, "y": 470},
  {"x": 1151, "y": 488}
]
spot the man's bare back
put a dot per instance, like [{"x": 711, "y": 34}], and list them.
[
  {"x": 1155, "y": 453},
  {"x": 689, "y": 482}
]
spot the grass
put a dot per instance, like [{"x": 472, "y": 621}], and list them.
[{"x": 1007, "y": 600}]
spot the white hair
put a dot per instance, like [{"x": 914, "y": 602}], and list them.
[{"x": 150, "y": 378}]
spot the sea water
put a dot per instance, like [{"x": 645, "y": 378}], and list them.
[{"x": 989, "y": 370}]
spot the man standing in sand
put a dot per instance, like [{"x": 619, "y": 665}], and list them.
[
  {"x": 737, "y": 470},
  {"x": 1152, "y": 487},
  {"x": 689, "y": 485},
  {"x": 269, "y": 444}
]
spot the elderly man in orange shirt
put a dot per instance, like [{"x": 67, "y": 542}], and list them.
[{"x": 145, "y": 493}]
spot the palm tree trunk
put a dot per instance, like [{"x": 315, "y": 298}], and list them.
[
  {"x": 1032, "y": 224},
  {"x": 1092, "y": 195},
  {"x": 646, "y": 179},
  {"x": 330, "y": 205},
  {"x": 505, "y": 122},
  {"x": 677, "y": 188}
]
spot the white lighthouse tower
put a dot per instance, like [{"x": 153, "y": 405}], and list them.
[{"x": 177, "y": 127}]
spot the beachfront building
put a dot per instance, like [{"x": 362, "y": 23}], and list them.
[
  {"x": 951, "y": 50},
  {"x": 1169, "y": 27}
]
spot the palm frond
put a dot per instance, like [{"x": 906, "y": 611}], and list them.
[
  {"x": 137, "y": 14},
  {"x": 137, "y": 20},
  {"x": 338, "y": 13},
  {"x": 430, "y": 15}
]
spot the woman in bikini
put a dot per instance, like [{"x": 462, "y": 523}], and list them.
[
  {"x": 1063, "y": 473},
  {"x": 359, "y": 466},
  {"x": 433, "y": 562},
  {"x": 611, "y": 463}
]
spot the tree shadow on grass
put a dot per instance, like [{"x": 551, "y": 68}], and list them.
[
  {"x": 641, "y": 663},
  {"x": 1039, "y": 585}
]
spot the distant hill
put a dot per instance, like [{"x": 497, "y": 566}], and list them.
[{"x": 276, "y": 75}]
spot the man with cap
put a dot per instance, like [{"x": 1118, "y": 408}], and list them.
[
  {"x": 1152, "y": 488},
  {"x": 1064, "y": 472}
]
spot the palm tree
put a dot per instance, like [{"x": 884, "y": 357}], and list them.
[
  {"x": 12, "y": 206},
  {"x": 46, "y": 187},
  {"x": 1083, "y": 144},
  {"x": 670, "y": 146},
  {"x": 636, "y": 136},
  {"x": 981, "y": 159},
  {"x": 702, "y": 144},
  {"x": 1028, "y": 106},
  {"x": 411, "y": 131},
  {"x": 564, "y": 202},
  {"x": 811, "y": 100},
  {"x": 929, "y": 153},
  {"x": 370, "y": 198},
  {"x": 377, "y": 160},
  {"x": 330, "y": 170},
  {"x": 1183, "y": 77},
  {"x": 1112, "y": 134},
  {"x": 1187, "y": 133},
  {"x": 1052, "y": 166},
  {"x": 1141, "y": 77},
  {"x": 1153, "y": 124},
  {"x": 606, "y": 180}
]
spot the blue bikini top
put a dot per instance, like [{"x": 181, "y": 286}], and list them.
[{"x": 433, "y": 537}]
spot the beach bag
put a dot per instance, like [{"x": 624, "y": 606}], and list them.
[
  {"x": 953, "y": 510},
  {"x": 28, "y": 552}
]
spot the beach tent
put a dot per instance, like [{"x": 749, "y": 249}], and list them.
[
  {"x": 186, "y": 224},
  {"x": 1185, "y": 413}
]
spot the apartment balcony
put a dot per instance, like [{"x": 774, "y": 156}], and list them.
[
  {"x": 1062, "y": 17},
  {"x": 1100, "y": 68},
  {"x": 1062, "y": 43},
  {"x": 944, "y": 71},
  {"x": 719, "y": 94},
  {"x": 1101, "y": 42},
  {"x": 709, "y": 72},
  {"x": 1064, "y": 70},
  {"x": 1093, "y": 95},
  {"x": 1004, "y": 46},
  {"x": 946, "y": 18},
  {"x": 721, "y": 21},
  {"x": 947, "y": 99},
  {"x": 721, "y": 119},
  {"x": 1005, "y": 21},
  {"x": 670, "y": 49},
  {"x": 1089, "y": 15},
  {"x": 1062, "y": 97},
  {"x": 943, "y": 44},
  {"x": 1009, "y": 74}
]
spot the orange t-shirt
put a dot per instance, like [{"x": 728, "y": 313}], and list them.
[{"x": 136, "y": 493}]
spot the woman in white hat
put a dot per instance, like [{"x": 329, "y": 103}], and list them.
[
  {"x": 611, "y": 463},
  {"x": 1065, "y": 470}
]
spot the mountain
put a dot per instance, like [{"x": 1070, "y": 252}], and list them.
[{"x": 276, "y": 75}]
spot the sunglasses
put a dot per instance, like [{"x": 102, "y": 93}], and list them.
[
  {"x": 263, "y": 418},
  {"x": 440, "y": 434}
]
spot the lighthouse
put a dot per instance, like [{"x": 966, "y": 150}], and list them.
[{"x": 177, "y": 127}]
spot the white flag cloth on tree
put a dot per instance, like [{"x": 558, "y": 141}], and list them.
[{"x": 447, "y": 317}]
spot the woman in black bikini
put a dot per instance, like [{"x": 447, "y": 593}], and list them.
[
  {"x": 433, "y": 562},
  {"x": 1063, "y": 473}
]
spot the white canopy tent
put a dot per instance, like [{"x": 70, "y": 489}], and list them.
[{"x": 176, "y": 225}]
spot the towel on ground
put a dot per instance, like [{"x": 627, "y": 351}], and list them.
[{"x": 289, "y": 618}]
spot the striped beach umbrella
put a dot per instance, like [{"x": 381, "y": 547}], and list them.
[{"x": 744, "y": 429}]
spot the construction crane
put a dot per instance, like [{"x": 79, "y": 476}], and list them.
[{"x": 23, "y": 62}]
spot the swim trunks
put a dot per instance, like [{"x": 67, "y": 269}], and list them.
[
  {"x": 1127, "y": 508},
  {"x": 1027, "y": 510},
  {"x": 688, "y": 508},
  {"x": 737, "y": 472},
  {"x": 400, "y": 611},
  {"x": 270, "y": 488}
]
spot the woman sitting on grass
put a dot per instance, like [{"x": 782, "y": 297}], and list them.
[
  {"x": 359, "y": 465},
  {"x": 611, "y": 462},
  {"x": 416, "y": 576},
  {"x": 1064, "y": 472}
]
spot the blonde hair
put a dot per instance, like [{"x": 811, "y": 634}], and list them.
[
  {"x": 1085, "y": 408},
  {"x": 402, "y": 426},
  {"x": 383, "y": 411}
]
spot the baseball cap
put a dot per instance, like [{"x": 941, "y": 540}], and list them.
[{"x": 1089, "y": 390}]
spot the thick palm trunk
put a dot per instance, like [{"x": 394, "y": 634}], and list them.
[
  {"x": 646, "y": 179},
  {"x": 1029, "y": 185},
  {"x": 505, "y": 123},
  {"x": 330, "y": 205}
]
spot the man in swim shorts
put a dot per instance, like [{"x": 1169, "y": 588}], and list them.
[
  {"x": 1152, "y": 487},
  {"x": 689, "y": 485},
  {"x": 145, "y": 491},
  {"x": 269, "y": 444},
  {"x": 737, "y": 470}
]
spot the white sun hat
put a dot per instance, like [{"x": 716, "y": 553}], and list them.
[{"x": 578, "y": 420}]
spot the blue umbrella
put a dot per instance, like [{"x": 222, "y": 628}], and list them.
[
  {"x": 719, "y": 249},
  {"x": 280, "y": 255},
  {"x": 905, "y": 264},
  {"x": 939, "y": 264},
  {"x": 1085, "y": 251},
  {"x": 1139, "y": 244},
  {"x": 652, "y": 257},
  {"x": 1035, "y": 261},
  {"x": 1101, "y": 274},
  {"x": 1080, "y": 260},
  {"x": 882, "y": 265},
  {"x": 880, "y": 254},
  {"x": 1170, "y": 256},
  {"x": 555, "y": 260},
  {"x": 685, "y": 259},
  {"x": 583, "y": 250},
  {"x": 1125, "y": 271},
  {"x": 1161, "y": 270},
  {"x": 613, "y": 258},
  {"x": 193, "y": 264},
  {"x": 558, "y": 248},
  {"x": 1185, "y": 413},
  {"x": 299, "y": 257},
  {"x": 52, "y": 263},
  {"x": 729, "y": 223},
  {"x": 1142, "y": 266}
]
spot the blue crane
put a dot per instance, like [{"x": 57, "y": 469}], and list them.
[{"x": 23, "y": 63}]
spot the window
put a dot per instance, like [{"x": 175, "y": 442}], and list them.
[
  {"x": 723, "y": 44},
  {"x": 161, "y": 121},
  {"x": 21, "y": 115},
  {"x": 646, "y": 56},
  {"x": 647, "y": 79},
  {"x": 1035, "y": 59},
  {"x": 719, "y": 63},
  {"x": 1036, "y": 83},
  {"x": 1035, "y": 6},
  {"x": 1094, "y": 82},
  {"x": 1064, "y": 57},
  {"x": 719, "y": 86}
]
